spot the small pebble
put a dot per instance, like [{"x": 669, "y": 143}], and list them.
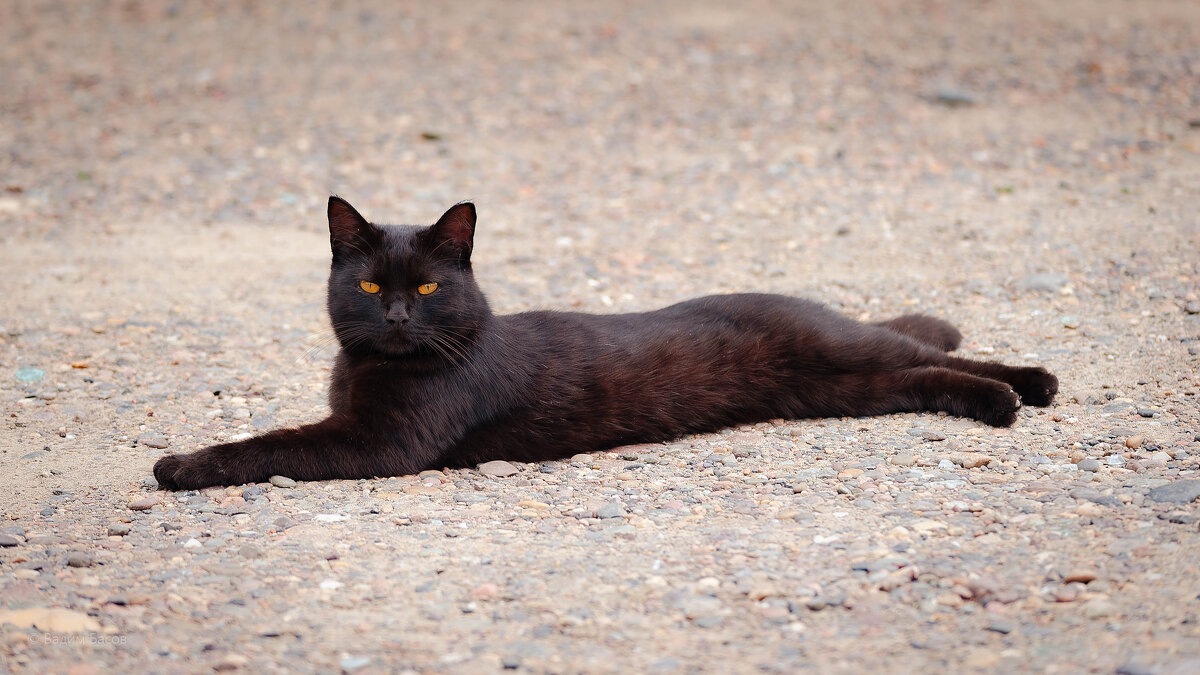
[
  {"x": 1089, "y": 464},
  {"x": 1066, "y": 593},
  {"x": 353, "y": 663},
  {"x": 158, "y": 441},
  {"x": 612, "y": 510},
  {"x": 118, "y": 529},
  {"x": 498, "y": 468},
  {"x": 970, "y": 460},
  {"x": 79, "y": 559},
  {"x": 1176, "y": 492},
  {"x": 30, "y": 374},
  {"x": 953, "y": 98},
  {"x": 281, "y": 481},
  {"x": 1083, "y": 576},
  {"x": 927, "y": 434},
  {"x": 230, "y": 662},
  {"x": 145, "y": 503},
  {"x": 1002, "y": 626},
  {"x": 7, "y": 540},
  {"x": 1099, "y": 608}
]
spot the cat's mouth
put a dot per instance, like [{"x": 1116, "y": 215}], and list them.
[{"x": 398, "y": 342}]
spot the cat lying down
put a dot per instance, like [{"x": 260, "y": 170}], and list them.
[{"x": 428, "y": 377}]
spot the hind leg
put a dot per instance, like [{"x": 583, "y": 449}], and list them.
[
  {"x": 923, "y": 388},
  {"x": 1036, "y": 386},
  {"x": 925, "y": 329}
]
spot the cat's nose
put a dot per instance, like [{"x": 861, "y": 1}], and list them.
[{"x": 397, "y": 316}]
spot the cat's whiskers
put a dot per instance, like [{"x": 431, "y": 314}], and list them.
[
  {"x": 448, "y": 347},
  {"x": 440, "y": 350},
  {"x": 352, "y": 333},
  {"x": 317, "y": 343}
]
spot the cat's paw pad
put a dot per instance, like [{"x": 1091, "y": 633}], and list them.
[
  {"x": 1036, "y": 386},
  {"x": 999, "y": 406}
]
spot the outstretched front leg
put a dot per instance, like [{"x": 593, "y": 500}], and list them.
[{"x": 333, "y": 448}]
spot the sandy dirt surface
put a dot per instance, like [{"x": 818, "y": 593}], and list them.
[{"x": 1027, "y": 170}]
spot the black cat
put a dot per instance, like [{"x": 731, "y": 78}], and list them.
[{"x": 428, "y": 377}]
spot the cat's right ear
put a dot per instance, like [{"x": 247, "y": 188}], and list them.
[{"x": 348, "y": 231}]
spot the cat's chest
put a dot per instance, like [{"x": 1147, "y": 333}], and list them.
[{"x": 380, "y": 390}]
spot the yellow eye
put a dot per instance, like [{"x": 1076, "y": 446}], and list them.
[
  {"x": 369, "y": 286},
  {"x": 426, "y": 289}
]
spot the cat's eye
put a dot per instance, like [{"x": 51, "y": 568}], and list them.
[
  {"x": 369, "y": 286},
  {"x": 426, "y": 289}
]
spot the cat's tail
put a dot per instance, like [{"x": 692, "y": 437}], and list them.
[{"x": 926, "y": 329}]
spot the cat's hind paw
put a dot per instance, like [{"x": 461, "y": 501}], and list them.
[
  {"x": 1036, "y": 386},
  {"x": 999, "y": 406},
  {"x": 926, "y": 329}
]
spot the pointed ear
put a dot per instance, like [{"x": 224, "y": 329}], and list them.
[
  {"x": 347, "y": 229},
  {"x": 456, "y": 228}
]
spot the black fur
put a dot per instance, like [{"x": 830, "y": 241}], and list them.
[{"x": 427, "y": 381}]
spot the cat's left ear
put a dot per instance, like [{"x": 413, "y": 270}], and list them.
[{"x": 456, "y": 228}]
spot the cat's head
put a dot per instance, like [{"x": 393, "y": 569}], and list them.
[{"x": 404, "y": 291}]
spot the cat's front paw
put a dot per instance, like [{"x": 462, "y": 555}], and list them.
[
  {"x": 164, "y": 472},
  {"x": 188, "y": 472},
  {"x": 1036, "y": 386}
]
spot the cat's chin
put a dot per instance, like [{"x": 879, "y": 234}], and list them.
[
  {"x": 387, "y": 349},
  {"x": 397, "y": 349},
  {"x": 406, "y": 350}
]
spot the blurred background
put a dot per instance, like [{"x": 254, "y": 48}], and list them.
[{"x": 661, "y": 133}]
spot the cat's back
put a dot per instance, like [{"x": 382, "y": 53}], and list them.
[{"x": 744, "y": 315}]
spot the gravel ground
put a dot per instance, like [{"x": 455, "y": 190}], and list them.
[{"x": 1028, "y": 170}]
